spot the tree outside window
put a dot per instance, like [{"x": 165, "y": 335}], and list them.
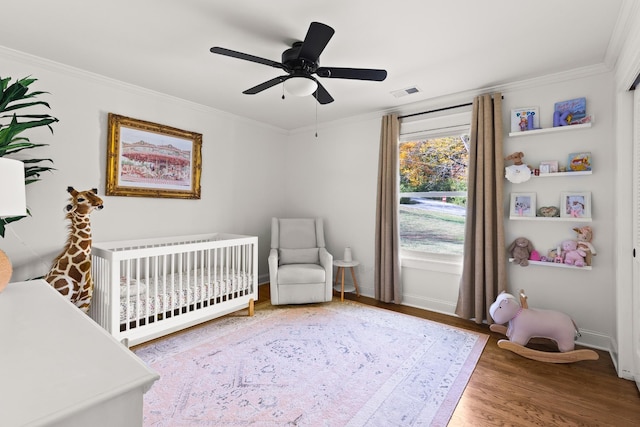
[{"x": 433, "y": 189}]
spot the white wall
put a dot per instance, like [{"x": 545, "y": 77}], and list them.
[
  {"x": 241, "y": 188},
  {"x": 588, "y": 296},
  {"x": 335, "y": 176},
  {"x": 252, "y": 172}
]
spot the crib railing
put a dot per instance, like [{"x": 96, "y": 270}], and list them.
[{"x": 146, "y": 288}]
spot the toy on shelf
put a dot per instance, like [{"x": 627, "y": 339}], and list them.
[
  {"x": 571, "y": 255},
  {"x": 525, "y": 323},
  {"x": 518, "y": 172},
  {"x": 520, "y": 250},
  {"x": 570, "y": 112},
  {"x": 584, "y": 237},
  {"x": 548, "y": 212}
]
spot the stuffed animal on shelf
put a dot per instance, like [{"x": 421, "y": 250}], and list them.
[
  {"x": 584, "y": 237},
  {"x": 571, "y": 254},
  {"x": 518, "y": 172},
  {"x": 527, "y": 323},
  {"x": 520, "y": 251}
]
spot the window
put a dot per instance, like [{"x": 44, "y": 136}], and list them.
[{"x": 433, "y": 190}]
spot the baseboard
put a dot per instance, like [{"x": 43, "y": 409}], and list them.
[{"x": 438, "y": 306}]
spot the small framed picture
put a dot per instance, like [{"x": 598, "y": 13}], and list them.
[
  {"x": 579, "y": 162},
  {"x": 550, "y": 166},
  {"x": 523, "y": 119},
  {"x": 575, "y": 204},
  {"x": 522, "y": 205}
]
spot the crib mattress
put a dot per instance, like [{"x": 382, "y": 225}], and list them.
[{"x": 143, "y": 298}]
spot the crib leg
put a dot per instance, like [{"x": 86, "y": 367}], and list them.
[{"x": 251, "y": 304}]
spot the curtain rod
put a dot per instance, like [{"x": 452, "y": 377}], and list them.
[
  {"x": 439, "y": 109},
  {"x": 436, "y": 110}
]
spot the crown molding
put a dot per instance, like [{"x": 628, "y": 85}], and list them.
[
  {"x": 411, "y": 108},
  {"x": 465, "y": 97},
  {"x": 91, "y": 77}
]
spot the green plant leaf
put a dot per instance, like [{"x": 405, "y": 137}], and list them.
[{"x": 15, "y": 97}]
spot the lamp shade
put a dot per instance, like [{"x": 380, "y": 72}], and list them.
[
  {"x": 300, "y": 86},
  {"x": 13, "y": 199}
]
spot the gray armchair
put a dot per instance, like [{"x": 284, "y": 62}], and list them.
[{"x": 300, "y": 268}]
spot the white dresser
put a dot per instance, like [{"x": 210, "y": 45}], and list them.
[{"x": 59, "y": 368}]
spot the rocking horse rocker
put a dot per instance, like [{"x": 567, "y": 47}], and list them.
[{"x": 526, "y": 323}]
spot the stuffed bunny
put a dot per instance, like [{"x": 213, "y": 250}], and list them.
[
  {"x": 584, "y": 237},
  {"x": 520, "y": 251}
]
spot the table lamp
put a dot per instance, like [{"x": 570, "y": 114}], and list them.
[{"x": 13, "y": 202}]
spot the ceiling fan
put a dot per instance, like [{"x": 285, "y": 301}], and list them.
[{"x": 301, "y": 61}]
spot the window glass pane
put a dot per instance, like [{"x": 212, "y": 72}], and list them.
[{"x": 433, "y": 190}]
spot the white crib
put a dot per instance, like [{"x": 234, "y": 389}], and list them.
[{"x": 145, "y": 289}]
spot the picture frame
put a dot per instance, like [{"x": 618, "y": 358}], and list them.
[
  {"x": 579, "y": 162},
  {"x": 575, "y": 204},
  {"x": 146, "y": 159},
  {"x": 522, "y": 205},
  {"x": 550, "y": 166},
  {"x": 526, "y": 118}
]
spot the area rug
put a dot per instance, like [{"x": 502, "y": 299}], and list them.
[{"x": 333, "y": 364}]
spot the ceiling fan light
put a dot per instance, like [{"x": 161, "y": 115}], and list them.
[{"x": 300, "y": 86}]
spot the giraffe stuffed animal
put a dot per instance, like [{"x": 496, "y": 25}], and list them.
[{"x": 71, "y": 271}]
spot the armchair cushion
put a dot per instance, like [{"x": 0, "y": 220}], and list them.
[
  {"x": 300, "y": 273},
  {"x": 299, "y": 256}
]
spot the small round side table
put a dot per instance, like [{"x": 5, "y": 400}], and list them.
[{"x": 341, "y": 266}]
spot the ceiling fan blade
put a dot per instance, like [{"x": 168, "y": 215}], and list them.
[
  {"x": 246, "y": 57},
  {"x": 315, "y": 41},
  {"x": 266, "y": 85},
  {"x": 352, "y": 73},
  {"x": 322, "y": 95}
]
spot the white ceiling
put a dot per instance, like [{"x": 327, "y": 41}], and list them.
[{"x": 441, "y": 46}]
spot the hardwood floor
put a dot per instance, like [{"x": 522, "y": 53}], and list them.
[{"x": 509, "y": 390}]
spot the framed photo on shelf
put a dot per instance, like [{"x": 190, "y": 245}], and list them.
[
  {"x": 147, "y": 159},
  {"x": 522, "y": 205},
  {"x": 550, "y": 166},
  {"x": 523, "y": 119},
  {"x": 579, "y": 162},
  {"x": 575, "y": 204}
]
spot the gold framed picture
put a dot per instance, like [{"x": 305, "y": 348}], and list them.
[{"x": 147, "y": 159}]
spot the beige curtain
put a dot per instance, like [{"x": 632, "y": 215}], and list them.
[
  {"x": 485, "y": 258},
  {"x": 387, "y": 259}
]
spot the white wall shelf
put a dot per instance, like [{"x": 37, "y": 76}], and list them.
[
  {"x": 546, "y": 218},
  {"x": 551, "y": 130},
  {"x": 556, "y": 174},
  {"x": 554, "y": 264}
]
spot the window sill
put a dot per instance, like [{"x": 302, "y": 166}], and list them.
[{"x": 444, "y": 263}]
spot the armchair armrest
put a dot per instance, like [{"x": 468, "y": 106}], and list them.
[
  {"x": 273, "y": 262},
  {"x": 273, "y": 274},
  {"x": 326, "y": 259}
]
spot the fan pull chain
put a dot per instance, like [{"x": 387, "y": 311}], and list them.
[{"x": 316, "y": 117}]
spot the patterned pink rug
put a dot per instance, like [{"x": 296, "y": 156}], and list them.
[{"x": 334, "y": 364}]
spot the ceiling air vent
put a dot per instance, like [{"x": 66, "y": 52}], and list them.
[{"x": 406, "y": 91}]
